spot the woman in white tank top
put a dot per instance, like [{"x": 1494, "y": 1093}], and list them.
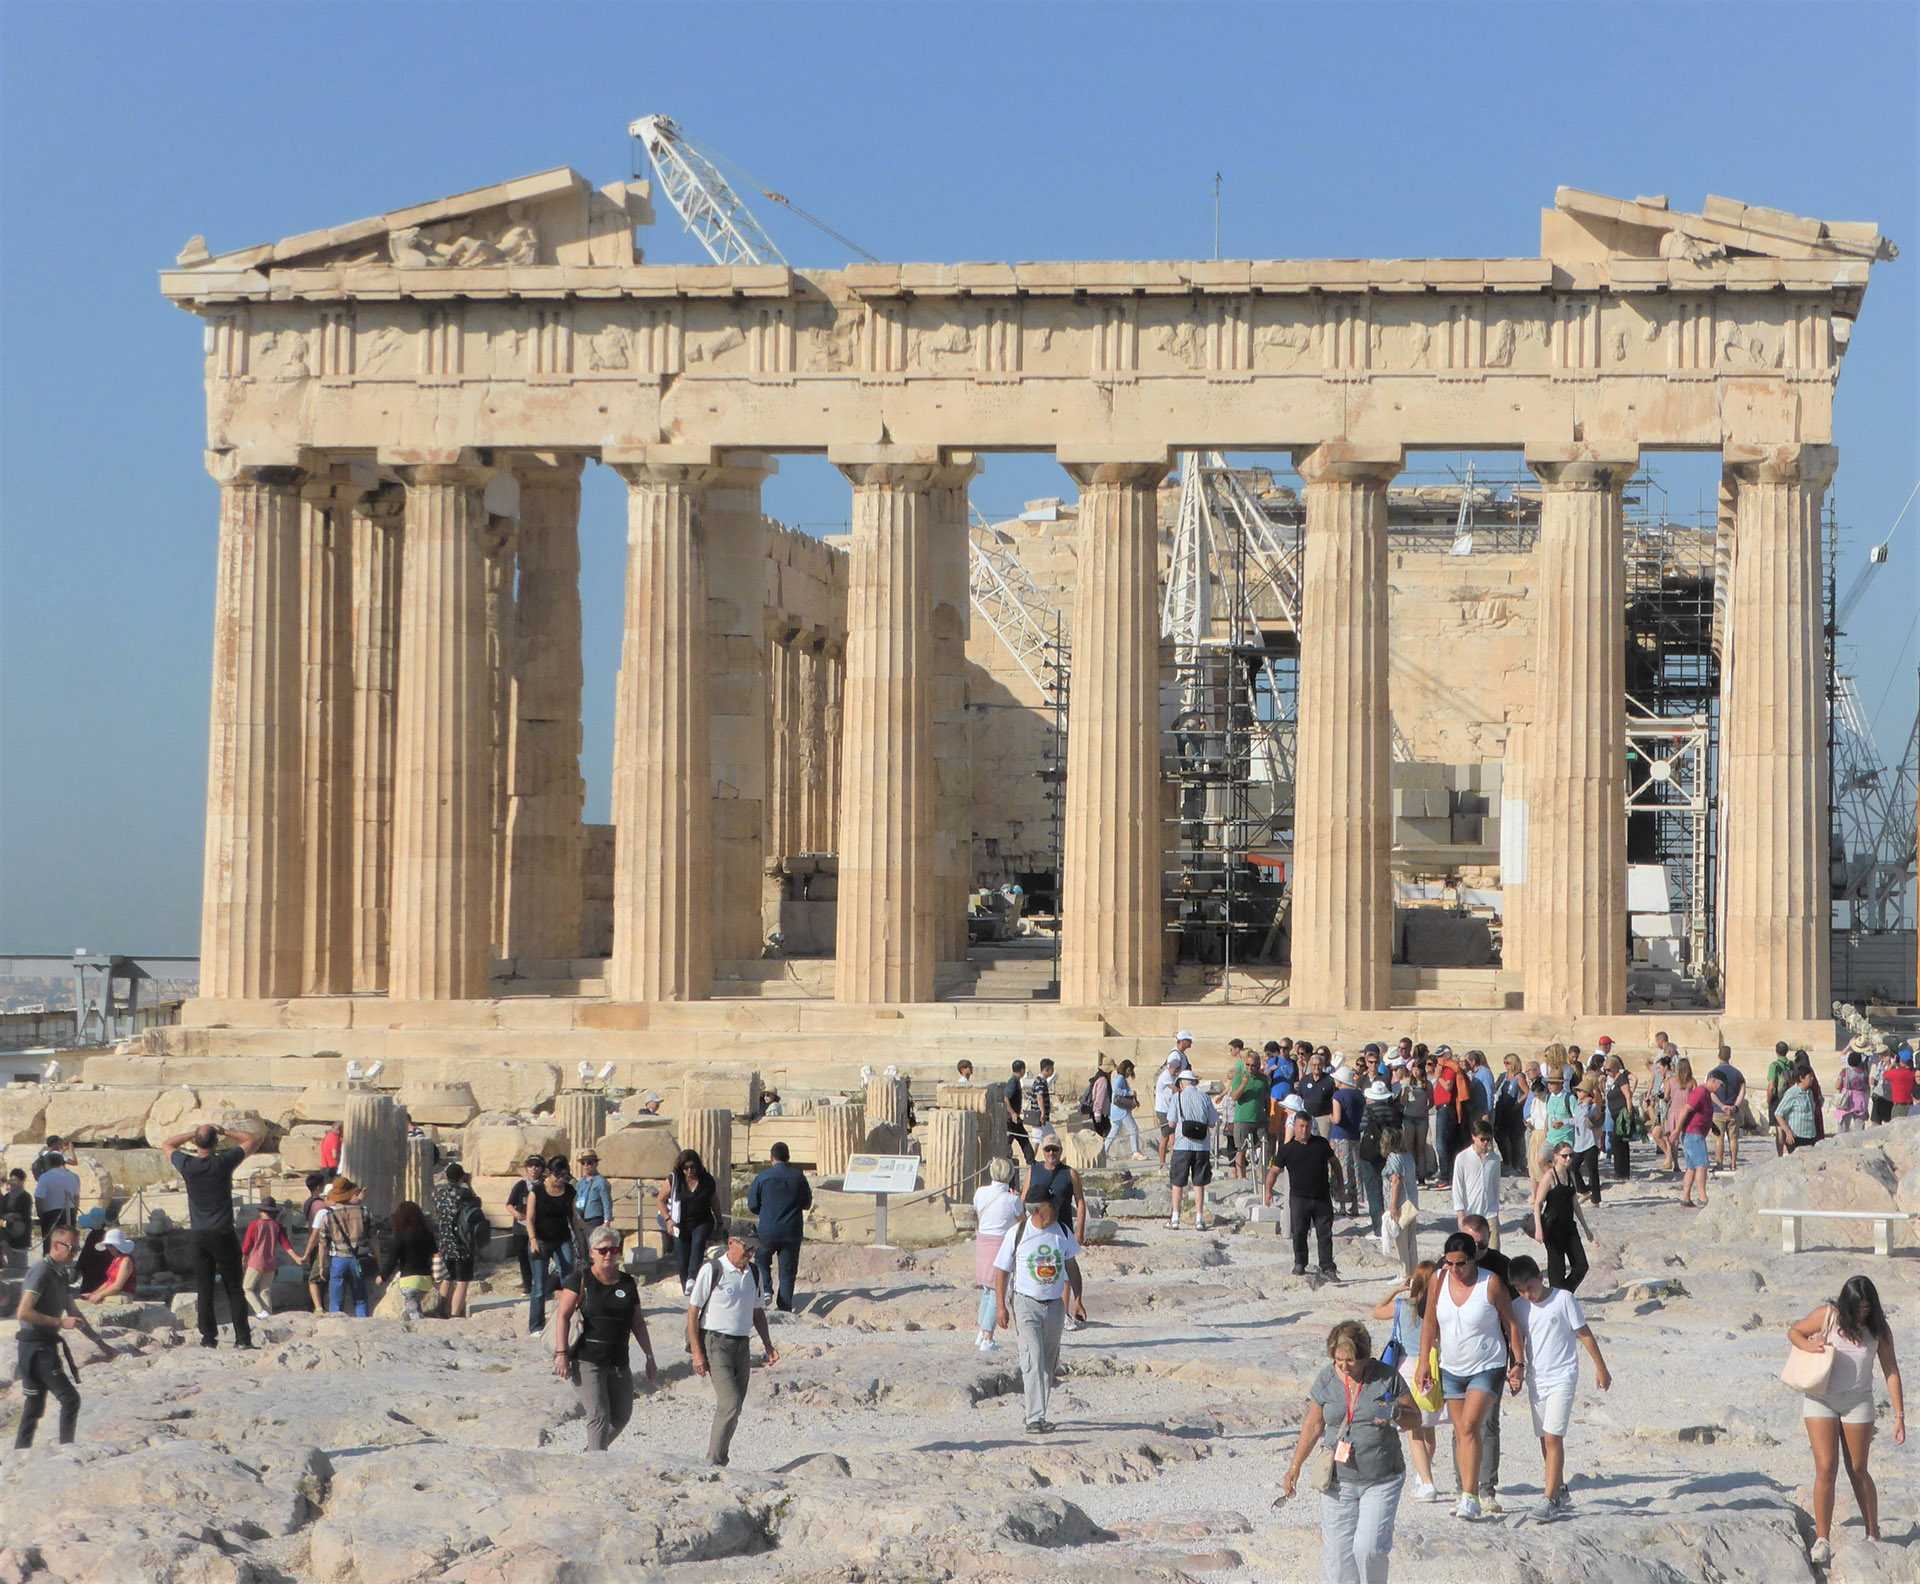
[
  {"x": 1482, "y": 1349},
  {"x": 1855, "y": 1328}
]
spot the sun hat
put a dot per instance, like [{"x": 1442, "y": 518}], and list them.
[
  {"x": 117, "y": 1240},
  {"x": 1188, "y": 1075},
  {"x": 1295, "y": 1104},
  {"x": 1396, "y": 1061},
  {"x": 1378, "y": 1091}
]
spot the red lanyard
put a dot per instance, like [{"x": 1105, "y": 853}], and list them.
[{"x": 1352, "y": 1389}]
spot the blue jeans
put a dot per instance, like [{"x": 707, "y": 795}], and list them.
[
  {"x": 551, "y": 1268},
  {"x": 989, "y": 1310},
  {"x": 345, "y": 1279},
  {"x": 1356, "y": 1530}
]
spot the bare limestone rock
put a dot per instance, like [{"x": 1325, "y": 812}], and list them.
[
  {"x": 439, "y": 1104},
  {"x": 494, "y": 1145},
  {"x": 1878, "y": 1169},
  {"x": 100, "y": 1116},
  {"x": 641, "y": 1150},
  {"x": 300, "y": 1147},
  {"x": 322, "y": 1102},
  {"x": 1085, "y": 1149},
  {"x": 708, "y": 1088},
  {"x": 23, "y": 1114}
]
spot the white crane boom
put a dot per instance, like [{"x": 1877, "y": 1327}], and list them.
[{"x": 703, "y": 198}]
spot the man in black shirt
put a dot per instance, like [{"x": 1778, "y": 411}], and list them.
[
  {"x": 46, "y": 1310},
  {"x": 208, "y": 1174},
  {"x": 1312, "y": 1175},
  {"x": 607, "y": 1299},
  {"x": 532, "y": 1170},
  {"x": 1013, "y": 1101}
]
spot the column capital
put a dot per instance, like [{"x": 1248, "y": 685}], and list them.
[
  {"x": 384, "y": 505},
  {"x": 904, "y": 466},
  {"x": 279, "y": 469},
  {"x": 339, "y": 483},
  {"x": 1578, "y": 466},
  {"x": 1811, "y": 465},
  {"x": 543, "y": 467},
  {"x": 1344, "y": 462},
  {"x": 1116, "y": 466},
  {"x": 444, "y": 465}
]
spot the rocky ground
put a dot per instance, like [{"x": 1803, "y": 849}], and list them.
[{"x": 884, "y": 1447}]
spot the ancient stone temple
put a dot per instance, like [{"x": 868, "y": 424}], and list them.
[{"x": 398, "y": 414}]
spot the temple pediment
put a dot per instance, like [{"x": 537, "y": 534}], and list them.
[
  {"x": 1583, "y": 226},
  {"x": 553, "y": 217}
]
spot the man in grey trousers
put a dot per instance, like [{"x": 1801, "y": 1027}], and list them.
[
  {"x": 1029, "y": 1277},
  {"x": 724, "y": 1308}
]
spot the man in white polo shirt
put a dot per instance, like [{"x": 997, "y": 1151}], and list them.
[
  {"x": 724, "y": 1308},
  {"x": 1032, "y": 1262},
  {"x": 1476, "y": 1182}
]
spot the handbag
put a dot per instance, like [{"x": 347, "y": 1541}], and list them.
[
  {"x": 1807, "y": 1372},
  {"x": 1431, "y": 1400}
]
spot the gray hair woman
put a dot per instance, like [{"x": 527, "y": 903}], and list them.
[
  {"x": 1357, "y": 1408},
  {"x": 995, "y": 1208},
  {"x": 607, "y": 1299}
]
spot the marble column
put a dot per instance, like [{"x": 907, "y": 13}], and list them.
[
  {"x": 440, "y": 904},
  {"x": 326, "y": 752},
  {"x": 833, "y": 716},
  {"x": 546, "y": 795},
  {"x": 786, "y": 745},
  {"x": 663, "y": 879},
  {"x": 502, "y": 608},
  {"x": 1774, "y": 950},
  {"x": 250, "y": 907},
  {"x": 947, "y": 704},
  {"x": 1342, "y": 913},
  {"x": 817, "y": 754},
  {"x": 375, "y": 620},
  {"x": 734, "y": 534},
  {"x": 889, "y": 889},
  {"x": 1576, "y": 940},
  {"x": 1514, "y": 815},
  {"x": 1111, "y": 948}
]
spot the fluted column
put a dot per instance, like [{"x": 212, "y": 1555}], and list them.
[
  {"x": 503, "y": 613},
  {"x": 833, "y": 717},
  {"x": 1514, "y": 816},
  {"x": 1111, "y": 946},
  {"x": 442, "y": 786},
  {"x": 888, "y": 885},
  {"x": 1773, "y": 744},
  {"x": 1342, "y": 916},
  {"x": 839, "y": 1131},
  {"x": 815, "y": 824},
  {"x": 546, "y": 795},
  {"x": 373, "y": 1148},
  {"x": 662, "y": 809},
  {"x": 375, "y": 619},
  {"x": 786, "y": 746},
  {"x": 582, "y": 1115},
  {"x": 1576, "y": 947},
  {"x": 326, "y": 698},
  {"x": 947, "y": 701},
  {"x": 250, "y": 907}
]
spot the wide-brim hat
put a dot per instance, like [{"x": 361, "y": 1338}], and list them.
[
  {"x": 1378, "y": 1091},
  {"x": 1294, "y": 1104},
  {"x": 1188, "y": 1075}
]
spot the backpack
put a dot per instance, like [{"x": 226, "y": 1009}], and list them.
[
  {"x": 472, "y": 1227},
  {"x": 1368, "y": 1149},
  {"x": 713, "y": 1265}
]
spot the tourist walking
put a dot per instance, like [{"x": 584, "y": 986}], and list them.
[
  {"x": 1476, "y": 1182},
  {"x": 1379, "y": 1117},
  {"x": 1126, "y": 1126},
  {"x": 1494, "y": 1263},
  {"x": 1030, "y": 1275},
  {"x": 1589, "y": 1122},
  {"x": 313, "y": 1260},
  {"x": 460, "y": 1223},
  {"x": 1780, "y": 1074},
  {"x": 1315, "y": 1090},
  {"x": 1312, "y": 1174},
  {"x": 1839, "y": 1417},
  {"x": 725, "y": 1306},
  {"x": 1357, "y": 1408},
  {"x": 330, "y": 1151},
  {"x": 1165, "y": 1085},
  {"x": 1558, "y": 1220},
  {"x": 1727, "y": 1084},
  {"x": 1556, "y": 1328},
  {"x": 780, "y": 1197},
  {"x": 1449, "y": 1098},
  {"x": 1247, "y": 1089},
  {"x": 1343, "y": 1133},
  {"x": 1900, "y": 1084},
  {"x": 1013, "y": 1101},
  {"x": 551, "y": 1240},
  {"x": 1061, "y": 1184},
  {"x": 1621, "y": 1115},
  {"x": 46, "y": 1310},
  {"x": 1509, "y": 1108},
  {"x": 1405, "y": 1306},
  {"x": 262, "y": 1247},
  {"x": 1689, "y": 1120},
  {"x": 1400, "y": 1227},
  {"x": 208, "y": 1172},
  {"x": 408, "y": 1268},
  {"x": 1416, "y": 1107},
  {"x": 56, "y": 1193},
  {"x": 338, "y": 1233},
  {"x": 1850, "y": 1109},
  {"x": 688, "y": 1202},
  {"x": 1097, "y": 1103},
  {"x": 598, "y": 1362},
  {"x": 16, "y": 1221},
  {"x": 532, "y": 1171},
  {"x": 1470, "y": 1320},
  {"x": 996, "y": 1208},
  {"x": 592, "y": 1195},
  {"x": 1192, "y": 1121}
]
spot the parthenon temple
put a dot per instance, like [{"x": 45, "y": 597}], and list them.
[{"x": 399, "y": 413}]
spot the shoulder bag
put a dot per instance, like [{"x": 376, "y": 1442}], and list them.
[{"x": 1806, "y": 1372}]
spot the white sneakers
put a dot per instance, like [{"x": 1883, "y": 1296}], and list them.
[
  {"x": 1423, "y": 1492},
  {"x": 1174, "y": 1222},
  {"x": 1468, "y": 1509},
  {"x": 985, "y": 1343},
  {"x": 1821, "y": 1554}
]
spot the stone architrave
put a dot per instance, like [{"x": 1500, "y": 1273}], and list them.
[
  {"x": 1111, "y": 945},
  {"x": 1342, "y": 920},
  {"x": 250, "y": 915},
  {"x": 1775, "y": 949},
  {"x": 441, "y": 901},
  {"x": 953, "y": 1154},
  {"x": 662, "y": 810},
  {"x": 546, "y": 795},
  {"x": 838, "y": 1131},
  {"x": 1576, "y": 779},
  {"x": 373, "y": 1148},
  {"x": 375, "y": 608},
  {"x": 889, "y": 893},
  {"x": 709, "y": 1132}
]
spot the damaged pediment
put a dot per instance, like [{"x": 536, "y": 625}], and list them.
[{"x": 1582, "y": 227}]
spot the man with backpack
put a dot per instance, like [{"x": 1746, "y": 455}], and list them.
[
  {"x": 1029, "y": 1279},
  {"x": 460, "y": 1222},
  {"x": 724, "y": 1308}
]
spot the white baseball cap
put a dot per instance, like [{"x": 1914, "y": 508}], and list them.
[
  {"x": 1184, "y": 1034},
  {"x": 1188, "y": 1075},
  {"x": 1293, "y": 1103}
]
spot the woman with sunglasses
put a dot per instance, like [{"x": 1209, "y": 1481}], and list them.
[
  {"x": 1470, "y": 1319},
  {"x": 1558, "y": 1220}
]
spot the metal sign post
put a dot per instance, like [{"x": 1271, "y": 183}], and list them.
[{"x": 881, "y": 1175}]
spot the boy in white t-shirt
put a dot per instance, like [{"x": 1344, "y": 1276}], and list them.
[
  {"x": 1556, "y": 1326},
  {"x": 1032, "y": 1262}
]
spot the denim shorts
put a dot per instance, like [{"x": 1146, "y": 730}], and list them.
[
  {"x": 1693, "y": 1149},
  {"x": 1453, "y": 1387}
]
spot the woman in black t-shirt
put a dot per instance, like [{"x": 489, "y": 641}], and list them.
[
  {"x": 689, "y": 1201},
  {"x": 607, "y": 1300},
  {"x": 550, "y": 1233}
]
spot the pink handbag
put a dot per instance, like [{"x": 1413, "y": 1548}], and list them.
[{"x": 1806, "y": 1372}]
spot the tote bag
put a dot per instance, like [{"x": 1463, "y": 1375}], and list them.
[{"x": 1810, "y": 1372}]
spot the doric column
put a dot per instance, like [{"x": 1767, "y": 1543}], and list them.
[
  {"x": 546, "y": 795},
  {"x": 1514, "y": 813},
  {"x": 735, "y": 537},
  {"x": 1773, "y": 741},
  {"x": 889, "y": 889},
  {"x": 786, "y": 744},
  {"x": 376, "y": 653},
  {"x": 815, "y": 824},
  {"x": 1111, "y": 948},
  {"x": 947, "y": 701},
  {"x": 1576, "y": 934},
  {"x": 1342, "y": 913},
  {"x": 502, "y": 607},
  {"x": 442, "y": 784},
  {"x": 663, "y": 879},
  {"x": 250, "y": 907},
  {"x": 326, "y": 755},
  {"x": 833, "y": 717}
]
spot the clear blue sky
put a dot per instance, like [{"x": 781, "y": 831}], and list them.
[{"x": 925, "y": 132}]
